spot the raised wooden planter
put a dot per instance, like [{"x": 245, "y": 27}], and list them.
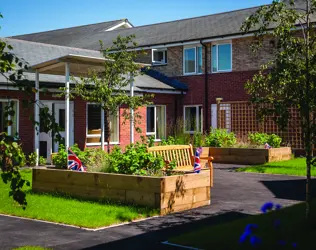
[
  {"x": 250, "y": 155},
  {"x": 169, "y": 193}
]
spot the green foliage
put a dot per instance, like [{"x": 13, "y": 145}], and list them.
[
  {"x": 220, "y": 138},
  {"x": 288, "y": 80},
  {"x": 135, "y": 160},
  {"x": 108, "y": 88},
  {"x": 262, "y": 138},
  {"x": 60, "y": 159},
  {"x": 31, "y": 159},
  {"x": 198, "y": 140},
  {"x": 42, "y": 161},
  {"x": 12, "y": 157}
]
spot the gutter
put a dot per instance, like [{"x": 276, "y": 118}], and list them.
[{"x": 205, "y": 87}]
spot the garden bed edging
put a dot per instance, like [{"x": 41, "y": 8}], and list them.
[
  {"x": 168, "y": 193},
  {"x": 250, "y": 155}
]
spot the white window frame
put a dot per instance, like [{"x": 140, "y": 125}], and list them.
[
  {"x": 164, "y": 50},
  {"x": 9, "y": 129},
  {"x": 155, "y": 124},
  {"x": 197, "y": 118},
  {"x": 231, "y": 56},
  {"x": 99, "y": 135},
  {"x": 195, "y": 47}
]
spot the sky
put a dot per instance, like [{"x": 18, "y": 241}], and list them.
[{"x": 29, "y": 16}]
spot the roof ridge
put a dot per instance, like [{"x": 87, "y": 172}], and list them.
[
  {"x": 118, "y": 20},
  {"x": 191, "y": 18},
  {"x": 50, "y": 45}
]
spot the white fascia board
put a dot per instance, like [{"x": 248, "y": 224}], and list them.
[{"x": 126, "y": 23}]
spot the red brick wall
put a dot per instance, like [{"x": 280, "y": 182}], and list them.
[{"x": 229, "y": 86}]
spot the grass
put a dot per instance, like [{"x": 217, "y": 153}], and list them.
[
  {"x": 226, "y": 236},
  {"x": 31, "y": 248},
  {"x": 69, "y": 210},
  {"x": 296, "y": 166}
]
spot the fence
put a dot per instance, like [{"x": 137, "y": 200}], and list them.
[{"x": 241, "y": 118}]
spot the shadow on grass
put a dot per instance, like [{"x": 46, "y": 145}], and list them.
[
  {"x": 155, "y": 232},
  {"x": 290, "y": 189}
]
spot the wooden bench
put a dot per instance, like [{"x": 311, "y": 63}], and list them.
[{"x": 184, "y": 157}]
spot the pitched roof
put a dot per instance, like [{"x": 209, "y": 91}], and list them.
[
  {"x": 216, "y": 25},
  {"x": 35, "y": 53},
  {"x": 67, "y": 36}
]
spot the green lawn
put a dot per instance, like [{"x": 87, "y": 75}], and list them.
[
  {"x": 296, "y": 166},
  {"x": 226, "y": 236},
  {"x": 61, "y": 209}
]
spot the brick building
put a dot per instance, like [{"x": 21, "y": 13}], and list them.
[{"x": 194, "y": 61}]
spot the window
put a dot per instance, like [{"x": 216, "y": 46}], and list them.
[
  {"x": 94, "y": 125},
  {"x": 193, "y": 60},
  {"x": 159, "y": 56},
  {"x": 193, "y": 119},
  {"x": 156, "y": 122},
  {"x": 221, "y": 57},
  {"x": 9, "y": 123}
]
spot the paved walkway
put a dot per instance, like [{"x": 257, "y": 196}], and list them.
[{"x": 234, "y": 195}]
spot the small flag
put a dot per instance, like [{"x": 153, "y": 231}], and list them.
[
  {"x": 267, "y": 146},
  {"x": 197, "y": 162},
  {"x": 74, "y": 162}
]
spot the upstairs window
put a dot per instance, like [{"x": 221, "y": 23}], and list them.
[
  {"x": 159, "y": 56},
  {"x": 192, "y": 63},
  {"x": 222, "y": 57}
]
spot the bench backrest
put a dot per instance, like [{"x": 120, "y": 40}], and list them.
[{"x": 182, "y": 154}]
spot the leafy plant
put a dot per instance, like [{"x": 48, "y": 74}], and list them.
[
  {"x": 42, "y": 161},
  {"x": 220, "y": 138},
  {"x": 198, "y": 140},
  {"x": 135, "y": 160},
  {"x": 260, "y": 139},
  {"x": 31, "y": 159},
  {"x": 60, "y": 159}
]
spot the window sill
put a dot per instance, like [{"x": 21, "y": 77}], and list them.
[
  {"x": 99, "y": 143},
  {"x": 218, "y": 72},
  {"x": 193, "y": 74},
  {"x": 159, "y": 64}
]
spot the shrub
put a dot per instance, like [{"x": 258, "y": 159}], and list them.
[
  {"x": 42, "y": 161},
  {"x": 60, "y": 159},
  {"x": 31, "y": 159},
  {"x": 262, "y": 138},
  {"x": 136, "y": 161},
  {"x": 220, "y": 138}
]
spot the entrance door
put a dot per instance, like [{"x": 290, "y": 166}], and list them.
[{"x": 58, "y": 109}]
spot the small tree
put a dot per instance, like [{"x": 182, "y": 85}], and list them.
[
  {"x": 11, "y": 154},
  {"x": 109, "y": 88},
  {"x": 289, "y": 79}
]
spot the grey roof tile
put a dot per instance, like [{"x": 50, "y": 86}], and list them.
[{"x": 34, "y": 53}]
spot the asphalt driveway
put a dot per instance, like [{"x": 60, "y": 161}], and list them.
[{"x": 234, "y": 195}]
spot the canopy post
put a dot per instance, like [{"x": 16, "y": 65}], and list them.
[
  {"x": 36, "y": 117},
  {"x": 131, "y": 110},
  {"x": 102, "y": 129},
  {"x": 67, "y": 76}
]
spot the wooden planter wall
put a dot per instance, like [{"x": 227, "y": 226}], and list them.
[
  {"x": 169, "y": 193},
  {"x": 250, "y": 155}
]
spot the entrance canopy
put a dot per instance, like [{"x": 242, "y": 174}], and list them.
[{"x": 75, "y": 65}]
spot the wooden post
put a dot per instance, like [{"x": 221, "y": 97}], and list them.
[{"x": 218, "y": 110}]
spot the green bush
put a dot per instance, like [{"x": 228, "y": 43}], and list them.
[
  {"x": 220, "y": 138},
  {"x": 135, "y": 161},
  {"x": 31, "y": 159},
  {"x": 42, "y": 161},
  {"x": 60, "y": 159},
  {"x": 260, "y": 139}
]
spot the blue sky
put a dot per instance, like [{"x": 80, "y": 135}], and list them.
[{"x": 28, "y": 16}]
